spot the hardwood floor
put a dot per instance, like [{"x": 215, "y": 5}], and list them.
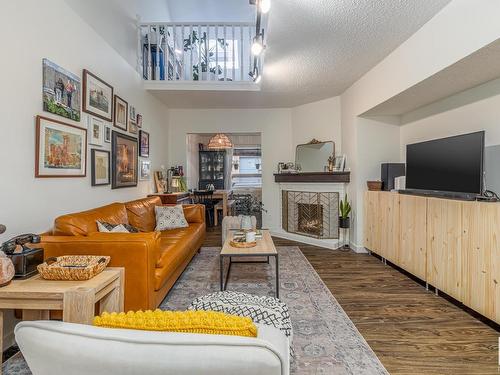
[{"x": 411, "y": 330}]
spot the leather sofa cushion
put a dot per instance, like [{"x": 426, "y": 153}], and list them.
[
  {"x": 175, "y": 245},
  {"x": 141, "y": 213},
  {"x": 83, "y": 223}
]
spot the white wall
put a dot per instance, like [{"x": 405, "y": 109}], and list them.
[
  {"x": 482, "y": 114},
  {"x": 459, "y": 29},
  {"x": 320, "y": 120},
  {"x": 56, "y": 32},
  {"x": 273, "y": 124},
  {"x": 52, "y": 30}
]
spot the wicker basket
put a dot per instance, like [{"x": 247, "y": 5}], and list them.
[
  {"x": 73, "y": 267},
  {"x": 374, "y": 185}
]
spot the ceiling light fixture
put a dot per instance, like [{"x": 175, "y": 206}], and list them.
[
  {"x": 257, "y": 46},
  {"x": 220, "y": 141},
  {"x": 265, "y": 5}
]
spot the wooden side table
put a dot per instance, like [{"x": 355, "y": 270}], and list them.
[{"x": 36, "y": 297}]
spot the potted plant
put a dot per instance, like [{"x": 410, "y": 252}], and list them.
[
  {"x": 207, "y": 55},
  {"x": 345, "y": 210}
]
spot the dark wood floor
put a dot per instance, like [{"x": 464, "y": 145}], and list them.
[{"x": 411, "y": 330}]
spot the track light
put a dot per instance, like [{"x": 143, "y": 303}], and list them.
[
  {"x": 265, "y": 5},
  {"x": 257, "y": 46}
]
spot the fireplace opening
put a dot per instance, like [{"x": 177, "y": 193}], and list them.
[
  {"x": 310, "y": 219},
  {"x": 311, "y": 214}
]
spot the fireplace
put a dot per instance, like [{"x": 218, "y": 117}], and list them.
[{"x": 312, "y": 214}]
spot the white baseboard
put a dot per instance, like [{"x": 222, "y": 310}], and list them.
[{"x": 327, "y": 244}]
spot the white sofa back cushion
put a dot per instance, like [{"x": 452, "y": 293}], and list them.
[{"x": 51, "y": 347}]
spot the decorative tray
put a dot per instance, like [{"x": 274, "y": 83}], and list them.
[
  {"x": 73, "y": 267},
  {"x": 243, "y": 245}
]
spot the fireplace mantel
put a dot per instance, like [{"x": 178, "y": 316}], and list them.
[{"x": 316, "y": 177}]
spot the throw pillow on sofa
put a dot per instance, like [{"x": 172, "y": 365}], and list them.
[
  {"x": 105, "y": 227},
  {"x": 170, "y": 217}
]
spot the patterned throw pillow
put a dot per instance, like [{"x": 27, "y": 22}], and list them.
[
  {"x": 265, "y": 310},
  {"x": 170, "y": 217},
  {"x": 105, "y": 227}
]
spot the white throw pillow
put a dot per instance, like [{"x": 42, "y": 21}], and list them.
[{"x": 170, "y": 217}]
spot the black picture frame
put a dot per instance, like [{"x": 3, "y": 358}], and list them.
[
  {"x": 93, "y": 167},
  {"x": 143, "y": 147},
  {"x": 117, "y": 140}
]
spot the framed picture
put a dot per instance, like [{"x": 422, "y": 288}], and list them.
[
  {"x": 124, "y": 159},
  {"x": 339, "y": 162},
  {"x": 121, "y": 113},
  {"x": 100, "y": 165},
  {"x": 96, "y": 129},
  {"x": 143, "y": 144},
  {"x": 61, "y": 91},
  {"x": 139, "y": 121},
  {"x": 107, "y": 134},
  {"x": 61, "y": 149},
  {"x": 131, "y": 115},
  {"x": 132, "y": 128},
  {"x": 145, "y": 170},
  {"x": 97, "y": 96}
]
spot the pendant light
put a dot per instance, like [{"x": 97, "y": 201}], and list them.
[{"x": 220, "y": 141}]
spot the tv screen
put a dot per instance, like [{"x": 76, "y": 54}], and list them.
[{"x": 453, "y": 164}]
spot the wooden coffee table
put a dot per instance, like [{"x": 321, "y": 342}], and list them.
[
  {"x": 36, "y": 297},
  {"x": 265, "y": 248}
]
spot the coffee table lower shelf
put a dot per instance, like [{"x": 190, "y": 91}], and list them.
[{"x": 225, "y": 278}]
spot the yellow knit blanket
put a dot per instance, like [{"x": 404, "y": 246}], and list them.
[{"x": 209, "y": 322}]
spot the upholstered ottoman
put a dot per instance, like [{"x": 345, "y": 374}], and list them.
[{"x": 264, "y": 310}]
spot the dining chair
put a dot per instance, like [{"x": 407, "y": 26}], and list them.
[{"x": 205, "y": 197}]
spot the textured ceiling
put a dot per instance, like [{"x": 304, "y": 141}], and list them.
[{"x": 316, "y": 48}]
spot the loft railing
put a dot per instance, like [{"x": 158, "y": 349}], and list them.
[{"x": 197, "y": 52}]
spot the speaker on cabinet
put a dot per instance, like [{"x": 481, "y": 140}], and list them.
[{"x": 389, "y": 172}]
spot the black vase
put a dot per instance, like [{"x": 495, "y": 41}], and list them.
[{"x": 344, "y": 222}]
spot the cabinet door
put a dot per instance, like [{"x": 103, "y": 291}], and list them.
[
  {"x": 372, "y": 225},
  {"x": 444, "y": 245},
  {"x": 389, "y": 225},
  {"x": 481, "y": 258},
  {"x": 412, "y": 225}
]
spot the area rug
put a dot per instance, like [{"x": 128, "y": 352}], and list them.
[{"x": 325, "y": 341}]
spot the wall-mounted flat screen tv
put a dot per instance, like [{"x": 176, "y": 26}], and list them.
[{"x": 453, "y": 164}]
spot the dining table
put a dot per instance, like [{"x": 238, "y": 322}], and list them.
[{"x": 224, "y": 195}]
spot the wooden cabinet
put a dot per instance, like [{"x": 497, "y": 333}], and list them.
[
  {"x": 389, "y": 226},
  {"x": 444, "y": 245},
  {"x": 372, "y": 224},
  {"x": 453, "y": 245},
  {"x": 412, "y": 252},
  {"x": 481, "y": 258}
]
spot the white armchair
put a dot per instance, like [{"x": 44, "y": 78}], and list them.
[{"x": 51, "y": 347}]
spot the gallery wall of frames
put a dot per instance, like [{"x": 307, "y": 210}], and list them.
[{"x": 109, "y": 126}]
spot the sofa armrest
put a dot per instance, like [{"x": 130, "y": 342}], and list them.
[{"x": 136, "y": 252}]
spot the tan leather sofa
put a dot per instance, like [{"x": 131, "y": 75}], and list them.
[{"x": 153, "y": 260}]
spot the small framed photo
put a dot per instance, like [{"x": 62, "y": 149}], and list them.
[
  {"x": 145, "y": 170},
  {"x": 132, "y": 128},
  {"x": 61, "y": 149},
  {"x": 107, "y": 134},
  {"x": 139, "y": 121},
  {"x": 96, "y": 128},
  {"x": 121, "y": 113},
  {"x": 97, "y": 96},
  {"x": 100, "y": 167},
  {"x": 339, "y": 163},
  {"x": 143, "y": 144},
  {"x": 131, "y": 114}
]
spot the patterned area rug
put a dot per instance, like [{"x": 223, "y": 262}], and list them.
[{"x": 325, "y": 340}]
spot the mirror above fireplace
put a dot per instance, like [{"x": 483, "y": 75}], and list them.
[{"x": 313, "y": 156}]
